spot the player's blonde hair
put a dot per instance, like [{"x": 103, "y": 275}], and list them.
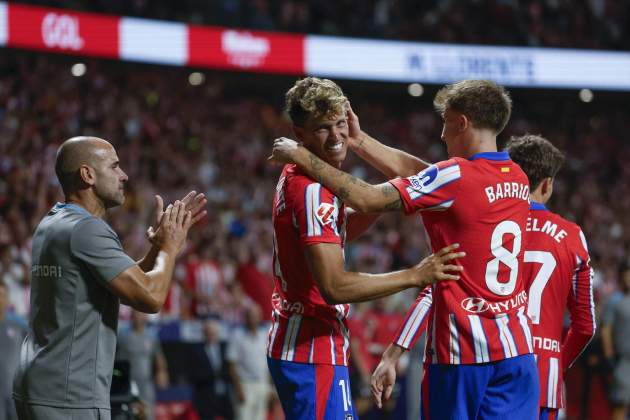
[
  {"x": 485, "y": 103},
  {"x": 314, "y": 97}
]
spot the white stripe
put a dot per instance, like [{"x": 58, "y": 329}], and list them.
[
  {"x": 4, "y": 24},
  {"x": 433, "y": 344},
  {"x": 507, "y": 341},
  {"x": 333, "y": 359},
  {"x": 416, "y": 318},
  {"x": 337, "y": 204},
  {"x": 443, "y": 177},
  {"x": 479, "y": 339},
  {"x": 288, "y": 351},
  {"x": 454, "y": 348},
  {"x": 552, "y": 383},
  {"x": 153, "y": 41},
  {"x": 528, "y": 334},
  {"x": 274, "y": 331},
  {"x": 439, "y": 207},
  {"x": 312, "y": 204},
  {"x": 310, "y": 353}
]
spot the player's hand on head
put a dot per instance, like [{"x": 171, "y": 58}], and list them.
[
  {"x": 283, "y": 150},
  {"x": 383, "y": 381},
  {"x": 354, "y": 128},
  {"x": 440, "y": 266}
]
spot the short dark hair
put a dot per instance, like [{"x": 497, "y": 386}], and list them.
[
  {"x": 485, "y": 103},
  {"x": 314, "y": 97},
  {"x": 538, "y": 158}
]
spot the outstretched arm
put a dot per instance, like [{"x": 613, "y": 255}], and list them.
[
  {"x": 336, "y": 285},
  {"x": 389, "y": 161},
  {"x": 361, "y": 196}
]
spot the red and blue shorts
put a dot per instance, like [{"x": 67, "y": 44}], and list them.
[{"x": 312, "y": 392}]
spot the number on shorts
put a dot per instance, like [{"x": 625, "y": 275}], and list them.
[{"x": 347, "y": 402}]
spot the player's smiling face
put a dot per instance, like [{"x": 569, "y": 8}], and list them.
[{"x": 327, "y": 137}]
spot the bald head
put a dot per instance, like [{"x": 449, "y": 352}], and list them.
[{"x": 74, "y": 153}]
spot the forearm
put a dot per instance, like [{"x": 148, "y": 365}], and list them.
[
  {"x": 352, "y": 287},
  {"x": 360, "y": 195},
  {"x": 389, "y": 161},
  {"x": 148, "y": 261},
  {"x": 392, "y": 353},
  {"x": 161, "y": 276}
]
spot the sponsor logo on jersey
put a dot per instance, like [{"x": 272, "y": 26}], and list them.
[
  {"x": 326, "y": 214},
  {"x": 475, "y": 305},
  {"x": 424, "y": 178},
  {"x": 279, "y": 302}
]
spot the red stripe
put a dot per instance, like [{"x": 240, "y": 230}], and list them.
[{"x": 323, "y": 380}]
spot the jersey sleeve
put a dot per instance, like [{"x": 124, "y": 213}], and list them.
[
  {"x": 416, "y": 320},
  {"x": 581, "y": 306},
  {"x": 316, "y": 212},
  {"x": 433, "y": 189},
  {"x": 97, "y": 246}
]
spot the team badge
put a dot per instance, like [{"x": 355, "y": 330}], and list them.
[
  {"x": 424, "y": 178},
  {"x": 326, "y": 214}
]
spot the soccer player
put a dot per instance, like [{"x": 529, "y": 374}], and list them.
[
  {"x": 79, "y": 274},
  {"x": 308, "y": 339},
  {"x": 479, "y": 352},
  {"x": 557, "y": 275}
]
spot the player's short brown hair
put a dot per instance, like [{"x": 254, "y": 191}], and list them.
[
  {"x": 485, "y": 103},
  {"x": 314, "y": 97},
  {"x": 538, "y": 158}
]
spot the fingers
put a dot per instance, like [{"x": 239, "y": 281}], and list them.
[
  {"x": 181, "y": 212},
  {"x": 452, "y": 255},
  {"x": 377, "y": 390},
  {"x": 388, "y": 391},
  {"x": 447, "y": 250},
  {"x": 451, "y": 267},
  {"x": 159, "y": 209},
  {"x": 188, "y": 198},
  {"x": 188, "y": 220}
]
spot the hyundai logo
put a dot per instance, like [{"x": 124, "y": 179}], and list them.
[{"x": 475, "y": 305}]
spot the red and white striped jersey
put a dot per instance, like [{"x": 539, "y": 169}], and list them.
[
  {"x": 558, "y": 276},
  {"x": 481, "y": 203},
  {"x": 304, "y": 328}
]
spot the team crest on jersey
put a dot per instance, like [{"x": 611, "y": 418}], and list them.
[
  {"x": 326, "y": 213},
  {"x": 424, "y": 178},
  {"x": 475, "y": 305}
]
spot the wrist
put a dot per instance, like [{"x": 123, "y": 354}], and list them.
[
  {"x": 393, "y": 353},
  {"x": 356, "y": 143}
]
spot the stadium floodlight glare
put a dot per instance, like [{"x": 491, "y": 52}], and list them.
[
  {"x": 586, "y": 95},
  {"x": 196, "y": 78},
  {"x": 415, "y": 89},
  {"x": 78, "y": 69}
]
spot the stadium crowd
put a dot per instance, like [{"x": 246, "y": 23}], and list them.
[
  {"x": 172, "y": 137},
  {"x": 600, "y": 24}
]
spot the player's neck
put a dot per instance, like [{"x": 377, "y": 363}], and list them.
[
  {"x": 88, "y": 201},
  {"x": 480, "y": 141},
  {"x": 537, "y": 197}
]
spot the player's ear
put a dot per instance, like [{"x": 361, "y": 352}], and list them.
[
  {"x": 87, "y": 175},
  {"x": 547, "y": 187},
  {"x": 462, "y": 122}
]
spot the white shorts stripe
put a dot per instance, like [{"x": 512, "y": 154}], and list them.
[
  {"x": 552, "y": 383},
  {"x": 310, "y": 353},
  {"x": 479, "y": 339},
  {"x": 454, "y": 346}
]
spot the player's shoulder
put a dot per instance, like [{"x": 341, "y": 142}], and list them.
[
  {"x": 574, "y": 231},
  {"x": 300, "y": 184}
]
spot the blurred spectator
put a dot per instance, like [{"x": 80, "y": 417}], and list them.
[
  {"x": 148, "y": 367},
  {"x": 211, "y": 379},
  {"x": 247, "y": 361},
  {"x": 615, "y": 333},
  {"x": 11, "y": 335}
]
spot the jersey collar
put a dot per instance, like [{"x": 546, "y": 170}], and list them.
[
  {"x": 72, "y": 207},
  {"x": 490, "y": 156},
  {"x": 537, "y": 206}
]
